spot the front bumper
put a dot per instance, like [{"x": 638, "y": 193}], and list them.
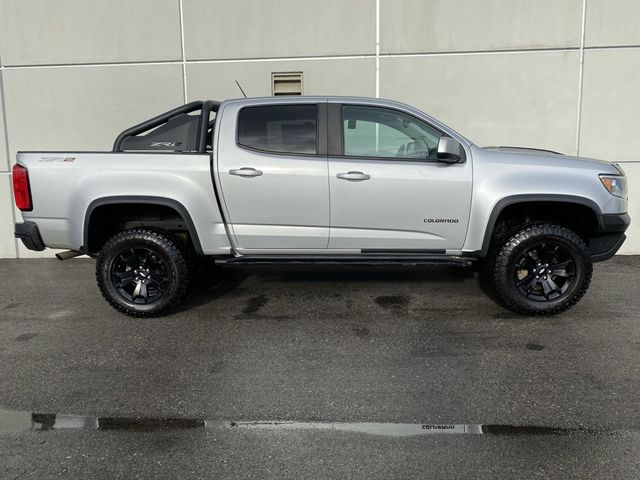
[
  {"x": 610, "y": 236},
  {"x": 30, "y": 235}
]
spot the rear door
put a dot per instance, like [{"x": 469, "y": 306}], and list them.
[
  {"x": 388, "y": 191},
  {"x": 272, "y": 168}
]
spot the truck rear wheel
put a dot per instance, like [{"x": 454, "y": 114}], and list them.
[
  {"x": 142, "y": 273},
  {"x": 542, "y": 269}
]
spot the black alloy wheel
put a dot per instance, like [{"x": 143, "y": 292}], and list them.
[
  {"x": 545, "y": 271},
  {"x": 140, "y": 275}
]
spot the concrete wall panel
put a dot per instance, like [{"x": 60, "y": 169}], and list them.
[
  {"x": 320, "y": 77},
  {"x": 610, "y": 105},
  {"x": 612, "y": 23},
  {"x": 632, "y": 245},
  {"x": 470, "y": 25},
  {"x": 85, "y": 31},
  {"x": 84, "y": 108},
  {"x": 526, "y": 99},
  {"x": 222, "y": 29}
]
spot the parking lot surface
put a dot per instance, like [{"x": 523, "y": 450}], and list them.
[{"x": 372, "y": 364}]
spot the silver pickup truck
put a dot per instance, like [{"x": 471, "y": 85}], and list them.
[{"x": 320, "y": 180}]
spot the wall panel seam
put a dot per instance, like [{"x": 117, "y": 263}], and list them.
[
  {"x": 316, "y": 57},
  {"x": 481, "y": 52},
  {"x": 581, "y": 76},
  {"x": 91, "y": 65},
  {"x": 377, "y": 48},
  {"x": 3, "y": 112},
  {"x": 184, "y": 64}
]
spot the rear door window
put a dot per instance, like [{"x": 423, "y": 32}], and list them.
[{"x": 279, "y": 128}]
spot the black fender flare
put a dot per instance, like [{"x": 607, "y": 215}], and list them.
[
  {"x": 167, "y": 202},
  {"x": 515, "y": 199}
]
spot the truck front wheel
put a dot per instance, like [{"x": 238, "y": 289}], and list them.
[
  {"x": 142, "y": 273},
  {"x": 542, "y": 269}
]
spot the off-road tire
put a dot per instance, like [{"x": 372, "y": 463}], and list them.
[
  {"x": 502, "y": 267},
  {"x": 166, "y": 250}
]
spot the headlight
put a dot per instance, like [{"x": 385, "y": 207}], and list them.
[{"x": 615, "y": 185}]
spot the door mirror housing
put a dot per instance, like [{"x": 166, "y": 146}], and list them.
[{"x": 450, "y": 150}]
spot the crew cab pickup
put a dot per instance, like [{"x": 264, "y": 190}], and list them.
[{"x": 320, "y": 180}]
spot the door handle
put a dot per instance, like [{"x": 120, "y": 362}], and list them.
[
  {"x": 245, "y": 172},
  {"x": 353, "y": 176}
]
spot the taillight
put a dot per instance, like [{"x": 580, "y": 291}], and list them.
[{"x": 21, "y": 189}]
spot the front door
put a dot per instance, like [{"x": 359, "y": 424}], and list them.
[
  {"x": 273, "y": 178},
  {"x": 389, "y": 192}
]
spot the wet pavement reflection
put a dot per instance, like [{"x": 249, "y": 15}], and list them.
[{"x": 14, "y": 421}]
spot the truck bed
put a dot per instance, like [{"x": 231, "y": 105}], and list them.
[{"x": 67, "y": 186}]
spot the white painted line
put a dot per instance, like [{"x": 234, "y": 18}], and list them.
[
  {"x": 370, "y": 428},
  {"x": 76, "y": 421},
  {"x": 13, "y": 421},
  {"x": 19, "y": 421}
]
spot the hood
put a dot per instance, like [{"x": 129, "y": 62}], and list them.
[
  {"x": 524, "y": 150},
  {"x": 549, "y": 156}
]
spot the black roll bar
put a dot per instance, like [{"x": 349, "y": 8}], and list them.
[
  {"x": 203, "y": 124},
  {"x": 201, "y": 140}
]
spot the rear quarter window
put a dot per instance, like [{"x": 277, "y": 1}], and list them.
[{"x": 279, "y": 128}]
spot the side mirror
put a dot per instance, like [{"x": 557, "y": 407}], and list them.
[{"x": 449, "y": 150}]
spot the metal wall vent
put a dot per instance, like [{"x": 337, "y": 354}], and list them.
[{"x": 286, "y": 83}]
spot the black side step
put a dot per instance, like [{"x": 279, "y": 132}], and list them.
[{"x": 345, "y": 260}]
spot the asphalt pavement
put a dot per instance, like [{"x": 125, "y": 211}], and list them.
[{"x": 389, "y": 372}]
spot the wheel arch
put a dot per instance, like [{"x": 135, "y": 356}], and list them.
[
  {"x": 174, "y": 205},
  {"x": 530, "y": 199}
]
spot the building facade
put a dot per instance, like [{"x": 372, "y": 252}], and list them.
[{"x": 555, "y": 74}]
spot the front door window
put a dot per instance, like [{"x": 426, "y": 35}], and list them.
[{"x": 387, "y": 133}]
